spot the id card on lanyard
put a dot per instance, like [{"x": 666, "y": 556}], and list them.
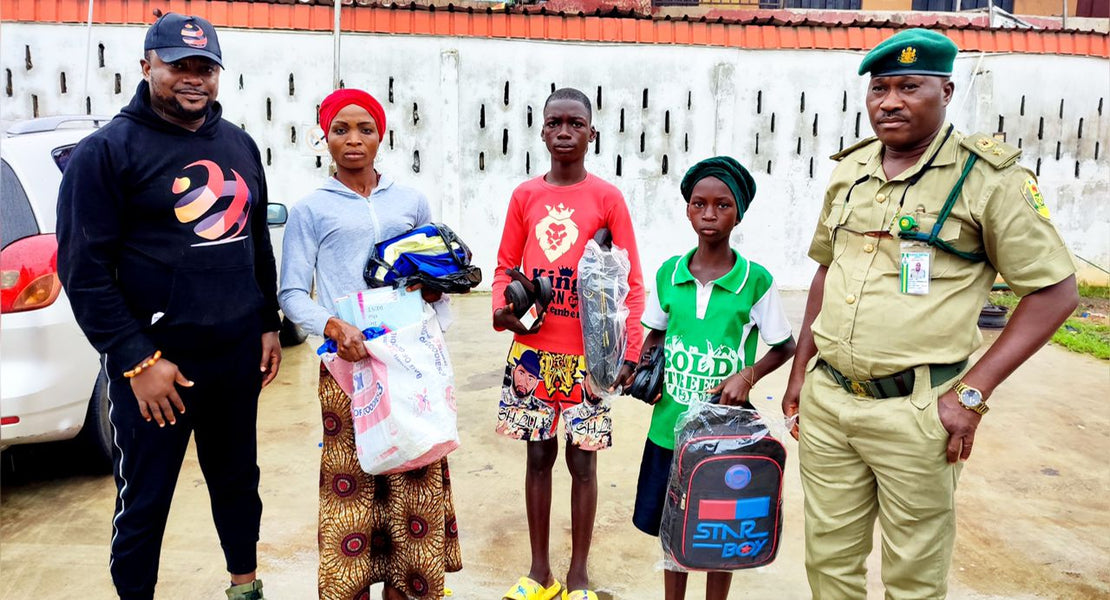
[{"x": 917, "y": 259}]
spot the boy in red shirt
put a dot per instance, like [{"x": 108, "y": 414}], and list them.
[{"x": 549, "y": 221}]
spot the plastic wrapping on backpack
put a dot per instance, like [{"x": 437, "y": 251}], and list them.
[
  {"x": 602, "y": 290},
  {"x": 723, "y": 510}
]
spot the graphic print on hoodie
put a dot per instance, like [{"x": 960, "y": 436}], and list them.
[{"x": 197, "y": 202}]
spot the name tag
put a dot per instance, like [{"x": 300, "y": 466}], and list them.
[{"x": 916, "y": 262}]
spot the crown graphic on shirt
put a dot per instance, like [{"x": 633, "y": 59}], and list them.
[
  {"x": 565, "y": 271},
  {"x": 560, "y": 212}
]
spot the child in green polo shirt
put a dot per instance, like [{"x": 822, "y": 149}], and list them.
[{"x": 707, "y": 307}]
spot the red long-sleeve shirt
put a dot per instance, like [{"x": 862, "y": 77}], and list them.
[{"x": 546, "y": 230}]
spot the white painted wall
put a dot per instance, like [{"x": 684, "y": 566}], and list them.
[{"x": 718, "y": 101}]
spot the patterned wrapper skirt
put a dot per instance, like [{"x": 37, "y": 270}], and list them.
[{"x": 396, "y": 529}]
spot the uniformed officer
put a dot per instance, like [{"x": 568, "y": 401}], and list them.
[{"x": 916, "y": 224}]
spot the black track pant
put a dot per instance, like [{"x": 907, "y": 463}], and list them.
[{"x": 221, "y": 409}]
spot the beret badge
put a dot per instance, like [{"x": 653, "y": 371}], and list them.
[{"x": 908, "y": 55}]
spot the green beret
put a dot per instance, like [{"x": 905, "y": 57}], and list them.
[
  {"x": 911, "y": 52},
  {"x": 729, "y": 171}
]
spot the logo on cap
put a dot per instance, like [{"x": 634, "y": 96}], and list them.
[
  {"x": 908, "y": 55},
  {"x": 193, "y": 36}
]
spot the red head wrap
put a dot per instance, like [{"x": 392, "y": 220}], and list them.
[{"x": 339, "y": 99}]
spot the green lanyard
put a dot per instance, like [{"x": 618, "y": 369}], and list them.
[
  {"x": 913, "y": 178},
  {"x": 907, "y": 224},
  {"x": 932, "y": 238}
]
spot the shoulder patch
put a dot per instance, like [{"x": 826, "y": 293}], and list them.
[
  {"x": 856, "y": 146},
  {"x": 997, "y": 154},
  {"x": 1032, "y": 194}
]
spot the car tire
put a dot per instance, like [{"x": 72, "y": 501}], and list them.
[
  {"x": 291, "y": 334},
  {"x": 96, "y": 433}
]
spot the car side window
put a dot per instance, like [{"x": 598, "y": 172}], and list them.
[
  {"x": 17, "y": 221},
  {"x": 61, "y": 156}
]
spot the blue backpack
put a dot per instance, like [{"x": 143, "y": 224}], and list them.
[{"x": 430, "y": 254}]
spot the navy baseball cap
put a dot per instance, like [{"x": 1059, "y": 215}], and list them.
[{"x": 174, "y": 37}]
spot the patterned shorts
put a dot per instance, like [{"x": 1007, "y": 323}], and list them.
[{"x": 541, "y": 387}]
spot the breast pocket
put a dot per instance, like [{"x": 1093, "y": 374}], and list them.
[
  {"x": 889, "y": 259},
  {"x": 951, "y": 232}
]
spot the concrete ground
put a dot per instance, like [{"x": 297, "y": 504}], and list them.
[{"x": 1034, "y": 500}]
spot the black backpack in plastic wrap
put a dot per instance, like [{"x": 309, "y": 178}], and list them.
[{"x": 724, "y": 498}]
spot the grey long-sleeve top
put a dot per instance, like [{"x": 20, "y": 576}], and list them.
[{"x": 329, "y": 234}]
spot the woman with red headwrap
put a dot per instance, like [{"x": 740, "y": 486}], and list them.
[{"x": 394, "y": 529}]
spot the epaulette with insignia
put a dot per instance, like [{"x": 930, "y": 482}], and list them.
[
  {"x": 999, "y": 154},
  {"x": 856, "y": 146}
]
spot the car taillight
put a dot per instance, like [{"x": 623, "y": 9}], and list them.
[{"x": 29, "y": 277}]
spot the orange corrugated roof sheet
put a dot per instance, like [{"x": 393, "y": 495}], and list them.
[{"x": 772, "y": 30}]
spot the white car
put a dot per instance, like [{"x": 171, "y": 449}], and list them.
[{"x": 51, "y": 386}]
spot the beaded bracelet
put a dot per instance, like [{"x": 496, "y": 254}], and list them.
[{"x": 146, "y": 364}]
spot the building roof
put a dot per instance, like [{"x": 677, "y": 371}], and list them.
[{"x": 803, "y": 30}]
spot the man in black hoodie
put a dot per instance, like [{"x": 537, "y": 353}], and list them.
[{"x": 165, "y": 255}]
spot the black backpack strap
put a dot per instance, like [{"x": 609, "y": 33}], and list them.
[{"x": 449, "y": 240}]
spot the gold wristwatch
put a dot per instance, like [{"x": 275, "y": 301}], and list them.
[{"x": 970, "y": 398}]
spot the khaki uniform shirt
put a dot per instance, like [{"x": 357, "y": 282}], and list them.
[{"x": 868, "y": 328}]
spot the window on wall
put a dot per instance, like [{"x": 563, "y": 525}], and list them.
[
  {"x": 950, "y": 5},
  {"x": 1092, "y": 8}
]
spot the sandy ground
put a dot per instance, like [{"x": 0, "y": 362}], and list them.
[{"x": 1034, "y": 500}]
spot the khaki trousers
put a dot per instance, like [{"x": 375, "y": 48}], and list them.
[{"x": 864, "y": 458}]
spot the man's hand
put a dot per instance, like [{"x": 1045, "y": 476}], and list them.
[
  {"x": 960, "y": 423},
  {"x": 155, "y": 390},
  {"x": 271, "y": 356},
  {"x": 790, "y": 401},
  {"x": 349, "y": 341},
  {"x": 735, "y": 390},
  {"x": 503, "y": 318},
  {"x": 1032, "y": 323}
]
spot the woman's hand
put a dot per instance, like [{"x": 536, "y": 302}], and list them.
[
  {"x": 428, "y": 294},
  {"x": 349, "y": 341}
]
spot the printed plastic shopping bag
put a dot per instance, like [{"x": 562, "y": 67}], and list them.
[{"x": 402, "y": 398}]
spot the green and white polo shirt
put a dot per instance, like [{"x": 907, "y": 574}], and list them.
[{"x": 711, "y": 331}]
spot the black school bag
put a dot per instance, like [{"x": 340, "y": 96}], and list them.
[{"x": 724, "y": 498}]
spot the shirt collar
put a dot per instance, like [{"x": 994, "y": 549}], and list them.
[
  {"x": 732, "y": 282},
  {"x": 384, "y": 183},
  {"x": 946, "y": 155}
]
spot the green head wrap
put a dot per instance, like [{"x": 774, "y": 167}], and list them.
[{"x": 729, "y": 171}]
